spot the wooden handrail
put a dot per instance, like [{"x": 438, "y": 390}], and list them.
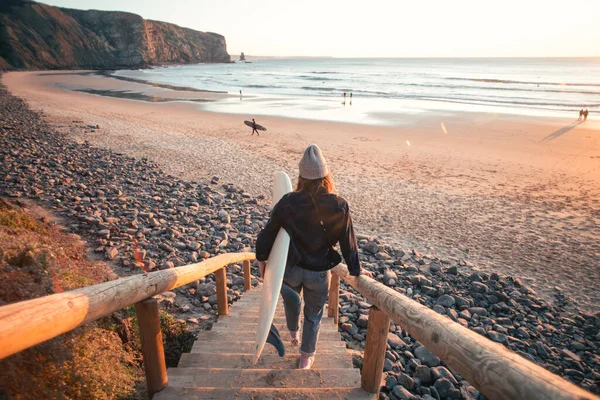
[
  {"x": 494, "y": 370},
  {"x": 30, "y": 322}
]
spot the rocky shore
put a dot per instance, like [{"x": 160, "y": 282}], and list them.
[{"x": 141, "y": 219}]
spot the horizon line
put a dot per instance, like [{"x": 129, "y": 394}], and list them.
[{"x": 416, "y": 57}]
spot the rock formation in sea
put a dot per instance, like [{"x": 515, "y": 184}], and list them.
[{"x": 38, "y": 36}]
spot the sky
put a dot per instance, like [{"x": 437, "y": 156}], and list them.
[{"x": 382, "y": 28}]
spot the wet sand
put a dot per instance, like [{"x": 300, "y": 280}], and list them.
[{"x": 503, "y": 192}]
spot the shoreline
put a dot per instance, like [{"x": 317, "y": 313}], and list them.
[{"x": 501, "y": 192}]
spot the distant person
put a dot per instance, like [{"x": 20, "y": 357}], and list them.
[
  {"x": 580, "y": 115},
  {"x": 344, "y": 96},
  {"x": 350, "y": 98},
  {"x": 585, "y": 114},
  {"x": 240, "y": 94},
  {"x": 254, "y": 128}
]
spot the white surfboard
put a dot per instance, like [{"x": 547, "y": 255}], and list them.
[{"x": 274, "y": 271}]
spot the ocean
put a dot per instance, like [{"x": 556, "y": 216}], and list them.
[{"x": 385, "y": 89}]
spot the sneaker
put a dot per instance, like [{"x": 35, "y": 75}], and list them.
[{"x": 305, "y": 362}]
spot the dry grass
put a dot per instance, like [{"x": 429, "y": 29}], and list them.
[{"x": 97, "y": 361}]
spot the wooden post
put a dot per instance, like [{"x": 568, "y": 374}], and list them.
[
  {"x": 247, "y": 275},
  {"x": 334, "y": 298},
  {"x": 377, "y": 333},
  {"x": 223, "y": 304},
  {"x": 152, "y": 345}
]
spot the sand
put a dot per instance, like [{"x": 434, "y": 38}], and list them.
[{"x": 507, "y": 193}]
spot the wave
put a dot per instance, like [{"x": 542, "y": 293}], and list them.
[
  {"x": 521, "y": 82},
  {"x": 499, "y": 88},
  {"x": 318, "y": 78},
  {"x": 492, "y": 101},
  {"x": 324, "y": 72},
  {"x": 264, "y": 86}
]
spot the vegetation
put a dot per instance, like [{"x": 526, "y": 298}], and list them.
[{"x": 101, "y": 360}]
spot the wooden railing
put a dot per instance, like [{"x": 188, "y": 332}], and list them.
[
  {"x": 495, "y": 371},
  {"x": 30, "y": 322}
]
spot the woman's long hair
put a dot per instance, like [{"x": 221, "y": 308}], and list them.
[{"x": 313, "y": 186}]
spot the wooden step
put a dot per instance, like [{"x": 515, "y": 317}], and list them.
[
  {"x": 224, "y": 319},
  {"x": 246, "y": 324},
  {"x": 247, "y": 347},
  {"x": 229, "y": 319},
  {"x": 234, "y": 360},
  {"x": 232, "y": 327},
  {"x": 263, "y": 378},
  {"x": 242, "y": 335},
  {"x": 178, "y": 393},
  {"x": 236, "y": 311}
]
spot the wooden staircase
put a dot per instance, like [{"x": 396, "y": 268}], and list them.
[{"x": 220, "y": 364}]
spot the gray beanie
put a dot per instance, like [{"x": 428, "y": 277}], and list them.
[{"x": 313, "y": 164}]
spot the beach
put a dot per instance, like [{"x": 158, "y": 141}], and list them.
[{"x": 510, "y": 193}]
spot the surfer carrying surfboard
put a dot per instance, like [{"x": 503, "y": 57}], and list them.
[
  {"x": 254, "y": 128},
  {"x": 316, "y": 219}
]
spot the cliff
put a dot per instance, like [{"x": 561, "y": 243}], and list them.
[{"x": 38, "y": 36}]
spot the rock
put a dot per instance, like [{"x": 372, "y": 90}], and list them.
[
  {"x": 363, "y": 321},
  {"x": 193, "y": 246},
  {"x": 479, "y": 311},
  {"x": 523, "y": 333},
  {"x": 104, "y": 233},
  {"x": 443, "y": 386},
  {"x": 423, "y": 373},
  {"x": 111, "y": 253},
  {"x": 478, "y": 287},
  {"x": 498, "y": 337},
  {"x": 395, "y": 342},
  {"x": 460, "y": 302},
  {"x": 453, "y": 270},
  {"x": 388, "y": 274},
  {"x": 542, "y": 350},
  {"x": 350, "y": 328},
  {"x": 569, "y": 354},
  {"x": 427, "y": 357},
  {"x": 442, "y": 372},
  {"x": 401, "y": 393},
  {"x": 420, "y": 280},
  {"x": 445, "y": 300},
  {"x": 405, "y": 381},
  {"x": 224, "y": 216},
  {"x": 206, "y": 290},
  {"x": 434, "y": 268},
  {"x": 371, "y": 247},
  {"x": 387, "y": 365},
  {"x": 439, "y": 309},
  {"x": 452, "y": 314},
  {"x": 390, "y": 382}
]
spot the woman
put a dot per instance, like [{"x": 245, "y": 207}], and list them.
[{"x": 316, "y": 219}]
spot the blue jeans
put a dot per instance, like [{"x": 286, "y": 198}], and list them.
[{"x": 314, "y": 286}]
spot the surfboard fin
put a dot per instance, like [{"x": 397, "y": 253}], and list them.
[{"x": 275, "y": 340}]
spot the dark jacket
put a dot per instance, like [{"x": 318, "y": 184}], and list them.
[{"x": 309, "y": 248}]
